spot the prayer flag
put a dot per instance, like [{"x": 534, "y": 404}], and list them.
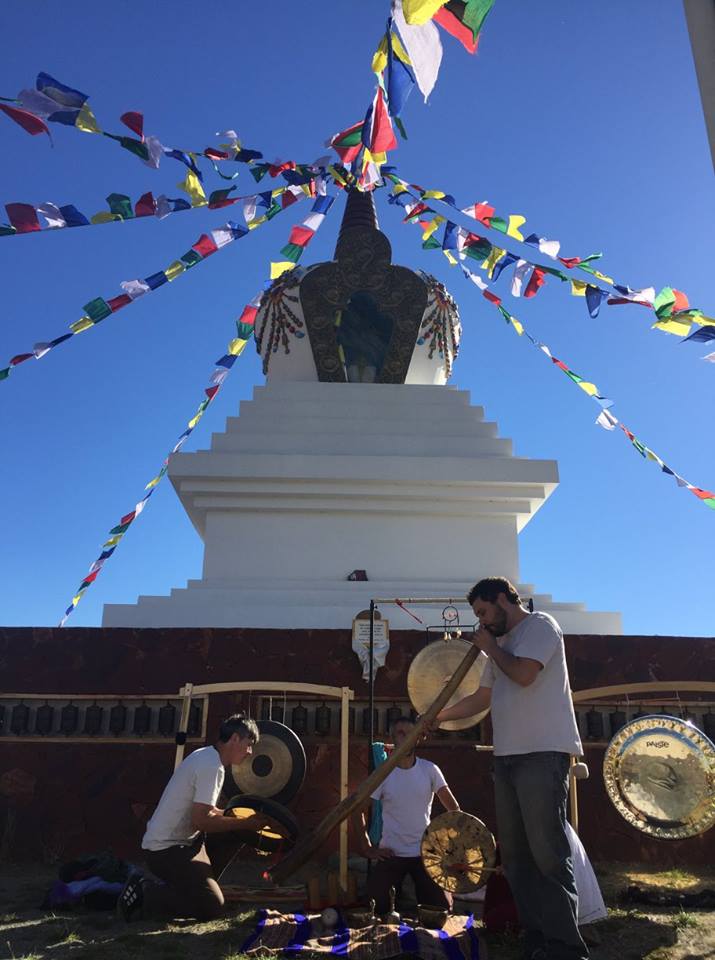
[
  {"x": 23, "y": 217},
  {"x": 423, "y": 47},
  {"x": 28, "y": 121}
]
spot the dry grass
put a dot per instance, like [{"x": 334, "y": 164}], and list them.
[{"x": 630, "y": 933}]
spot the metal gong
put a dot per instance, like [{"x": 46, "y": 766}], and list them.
[
  {"x": 432, "y": 668},
  {"x": 660, "y": 775},
  {"x": 280, "y": 829},
  {"x": 276, "y": 769},
  {"x": 458, "y": 852}
]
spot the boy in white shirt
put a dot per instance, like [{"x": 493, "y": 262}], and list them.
[
  {"x": 188, "y": 840},
  {"x": 406, "y": 797}
]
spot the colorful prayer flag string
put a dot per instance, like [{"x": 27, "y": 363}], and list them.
[
  {"x": 26, "y": 218},
  {"x": 245, "y": 326},
  {"x": 99, "y": 309},
  {"x": 671, "y": 307},
  {"x": 606, "y": 418}
]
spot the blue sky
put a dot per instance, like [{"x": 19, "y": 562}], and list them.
[{"x": 585, "y": 119}]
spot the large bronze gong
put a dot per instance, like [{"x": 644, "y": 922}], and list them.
[
  {"x": 275, "y": 770},
  {"x": 458, "y": 852},
  {"x": 660, "y": 775},
  {"x": 431, "y": 669}
]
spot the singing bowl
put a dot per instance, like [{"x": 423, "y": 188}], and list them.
[
  {"x": 430, "y": 671},
  {"x": 659, "y": 773},
  {"x": 280, "y": 830},
  {"x": 434, "y": 918},
  {"x": 360, "y": 917},
  {"x": 276, "y": 769}
]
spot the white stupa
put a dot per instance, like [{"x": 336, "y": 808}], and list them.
[{"x": 354, "y": 456}]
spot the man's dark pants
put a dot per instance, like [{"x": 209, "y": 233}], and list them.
[
  {"x": 392, "y": 871},
  {"x": 531, "y": 790},
  {"x": 190, "y": 875}
]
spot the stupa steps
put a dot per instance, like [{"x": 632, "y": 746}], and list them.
[{"x": 416, "y": 444}]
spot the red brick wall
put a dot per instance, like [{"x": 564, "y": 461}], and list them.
[{"x": 59, "y": 799}]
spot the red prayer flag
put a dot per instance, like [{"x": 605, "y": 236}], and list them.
[
  {"x": 28, "y": 121},
  {"x": 681, "y": 301},
  {"x": 204, "y": 245},
  {"x": 383, "y": 136},
  {"x": 20, "y": 358},
  {"x": 211, "y": 392},
  {"x": 453, "y": 25},
  {"x": 483, "y": 212},
  {"x": 116, "y": 303},
  {"x": 570, "y": 262},
  {"x": 249, "y": 315},
  {"x": 492, "y": 297},
  {"x": 535, "y": 282},
  {"x": 23, "y": 217},
  {"x": 135, "y": 122},
  {"x": 703, "y": 494},
  {"x": 128, "y": 518},
  {"x": 145, "y": 205},
  {"x": 287, "y": 198},
  {"x": 216, "y": 154},
  {"x": 301, "y": 235}
]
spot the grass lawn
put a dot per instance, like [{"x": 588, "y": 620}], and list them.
[{"x": 28, "y": 933}]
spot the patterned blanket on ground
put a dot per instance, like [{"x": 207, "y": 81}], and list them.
[{"x": 286, "y": 935}]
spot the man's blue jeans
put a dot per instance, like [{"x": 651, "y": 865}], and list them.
[{"x": 531, "y": 791}]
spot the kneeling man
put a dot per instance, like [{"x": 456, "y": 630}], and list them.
[
  {"x": 406, "y": 797},
  {"x": 188, "y": 840}
]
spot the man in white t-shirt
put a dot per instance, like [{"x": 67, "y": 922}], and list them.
[
  {"x": 188, "y": 840},
  {"x": 534, "y": 726},
  {"x": 406, "y": 796}
]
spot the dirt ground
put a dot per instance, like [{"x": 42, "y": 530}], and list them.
[{"x": 631, "y": 932}]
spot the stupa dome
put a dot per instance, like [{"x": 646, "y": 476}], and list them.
[{"x": 358, "y": 318}]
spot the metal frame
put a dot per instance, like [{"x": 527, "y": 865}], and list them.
[{"x": 343, "y": 694}]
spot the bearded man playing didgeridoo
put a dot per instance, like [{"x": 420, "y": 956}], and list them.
[{"x": 526, "y": 683}]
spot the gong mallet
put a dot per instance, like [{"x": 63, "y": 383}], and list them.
[{"x": 304, "y": 849}]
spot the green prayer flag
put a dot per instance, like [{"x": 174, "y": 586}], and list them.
[
  {"x": 97, "y": 309},
  {"x": 479, "y": 250},
  {"x": 120, "y": 205},
  {"x": 4, "y": 374},
  {"x": 121, "y": 528},
  {"x": 664, "y": 302},
  {"x": 7, "y": 231},
  {"x": 258, "y": 171},
  {"x": 475, "y": 13},
  {"x": 191, "y": 258},
  {"x": 431, "y": 243},
  {"x": 292, "y": 252},
  {"x": 274, "y": 209}
]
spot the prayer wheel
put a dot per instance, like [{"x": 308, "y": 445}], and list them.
[
  {"x": 167, "y": 719},
  {"x": 69, "y": 719},
  {"x": 19, "y": 719},
  {"x": 142, "y": 720},
  {"x": 93, "y": 716},
  {"x": 44, "y": 718},
  {"x": 117, "y": 719}
]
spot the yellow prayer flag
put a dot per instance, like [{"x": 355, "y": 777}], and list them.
[
  {"x": 433, "y": 194},
  {"x": 420, "y": 11},
  {"x": 590, "y": 388},
  {"x": 496, "y": 254},
  {"x": 399, "y": 50},
  {"x": 152, "y": 483},
  {"x": 450, "y": 257},
  {"x": 379, "y": 60},
  {"x": 77, "y": 597},
  {"x": 113, "y": 541},
  {"x": 257, "y": 222},
  {"x": 337, "y": 176},
  {"x": 278, "y": 269},
  {"x": 84, "y": 323},
  {"x": 192, "y": 186},
  {"x": 602, "y": 276},
  {"x": 86, "y": 121},
  {"x": 174, "y": 269},
  {"x": 703, "y": 321},
  {"x": 192, "y": 423},
  {"x": 578, "y": 288},
  {"x": 517, "y": 326},
  {"x": 432, "y": 226},
  {"x": 104, "y": 216},
  {"x": 679, "y": 328},
  {"x": 515, "y": 221},
  {"x": 235, "y": 347}
]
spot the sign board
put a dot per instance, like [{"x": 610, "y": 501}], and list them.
[{"x": 361, "y": 643}]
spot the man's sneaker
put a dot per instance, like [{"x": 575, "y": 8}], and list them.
[{"x": 131, "y": 899}]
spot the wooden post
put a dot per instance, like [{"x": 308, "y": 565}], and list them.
[
  {"x": 304, "y": 850},
  {"x": 344, "y": 738},
  {"x": 185, "y": 692}
]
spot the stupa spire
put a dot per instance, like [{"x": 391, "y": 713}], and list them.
[{"x": 359, "y": 212}]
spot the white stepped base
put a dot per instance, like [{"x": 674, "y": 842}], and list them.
[{"x": 300, "y": 604}]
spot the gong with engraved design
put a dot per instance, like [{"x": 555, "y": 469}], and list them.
[{"x": 659, "y": 772}]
